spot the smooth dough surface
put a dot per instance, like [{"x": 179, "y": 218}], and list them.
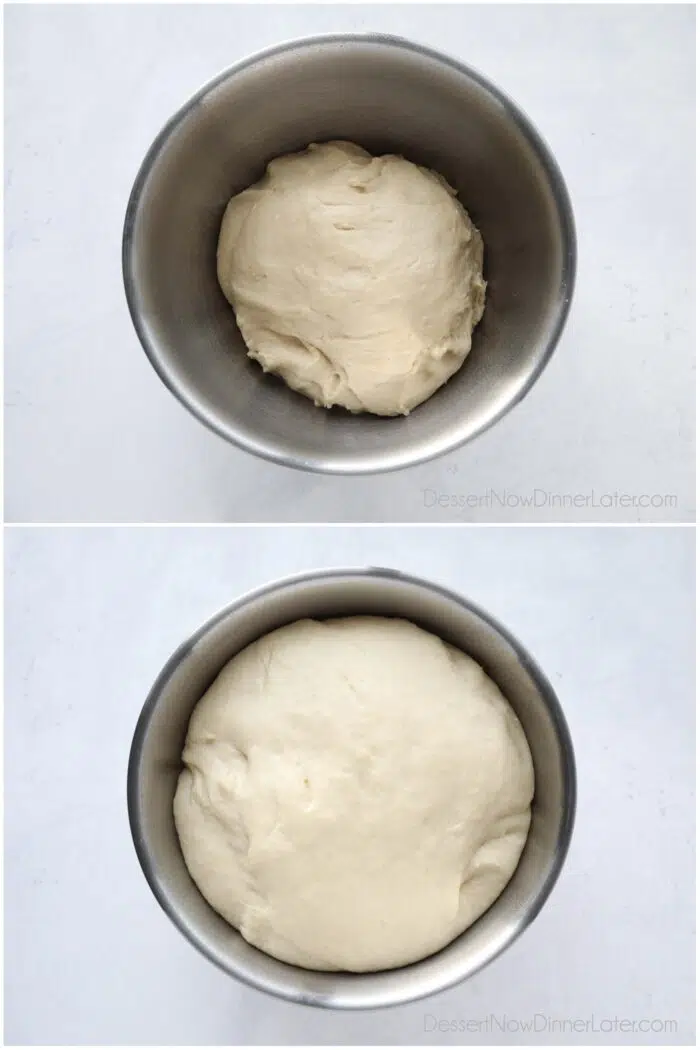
[
  {"x": 358, "y": 279},
  {"x": 355, "y": 793}
]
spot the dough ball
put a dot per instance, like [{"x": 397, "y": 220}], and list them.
[
  {"x": 355, "y": 793},
  {"x": 358, "y": 279}
]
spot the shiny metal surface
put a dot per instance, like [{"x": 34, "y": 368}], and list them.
[
  {"x": 154, "y": 765},
  {"x": 388, "y": 95}
]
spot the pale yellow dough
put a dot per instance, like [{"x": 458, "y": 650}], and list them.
[
  {"x": 355, "y": 793},
  {"x": 358, "y": 279}
]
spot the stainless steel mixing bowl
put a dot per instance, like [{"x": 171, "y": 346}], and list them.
[
  {"x": 155, "y": 763},
  {"x": 388, "y": 95}
]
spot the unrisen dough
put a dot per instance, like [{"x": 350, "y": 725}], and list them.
[
  {"x": 355, "y": 793},
  {"x": 358, "y": 279}
]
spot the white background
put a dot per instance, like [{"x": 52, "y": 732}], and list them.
[
  {"x": 92, "y": 435},
  {"x": 92, "y": 615}
]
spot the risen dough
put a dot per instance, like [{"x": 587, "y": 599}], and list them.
[
  {"x": 355, "y": 793},
  {"x": 357, "y": 279}
]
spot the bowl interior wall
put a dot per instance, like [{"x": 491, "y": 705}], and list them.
[
  {"x": 156, "y": 765},
  {"x": 387, "y": 99}
]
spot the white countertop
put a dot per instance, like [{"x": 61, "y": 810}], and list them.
[
  {"x": 91, "y": 433},
  {"x": 92, "y": 615}
]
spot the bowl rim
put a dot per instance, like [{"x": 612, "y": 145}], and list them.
[
  {"x": 372, "y": 463},
  {"x": 346, "y": 999}
]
